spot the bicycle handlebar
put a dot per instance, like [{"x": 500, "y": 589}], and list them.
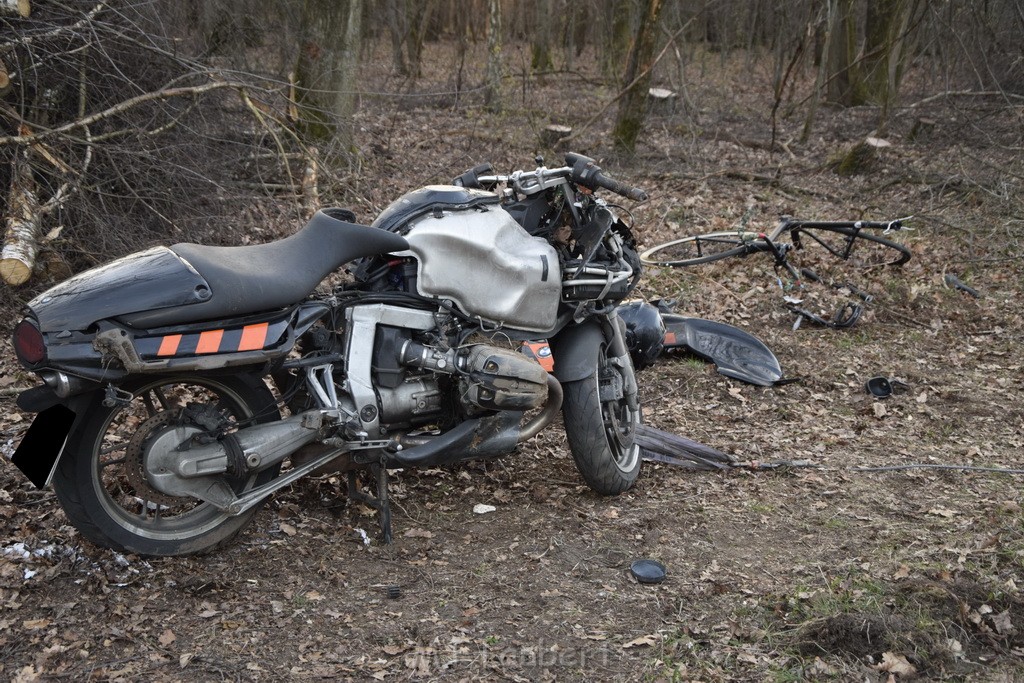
[{"x": 885, "y": 226}]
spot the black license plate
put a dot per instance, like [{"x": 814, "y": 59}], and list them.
[{"x": 43, "y": 443}]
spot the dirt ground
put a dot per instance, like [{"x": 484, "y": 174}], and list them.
[{"x": 811, "y": 573}]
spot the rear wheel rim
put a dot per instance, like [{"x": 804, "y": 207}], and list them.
[{"x": 127, "y": 503}]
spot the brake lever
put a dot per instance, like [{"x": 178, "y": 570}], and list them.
[{"x": 897, "y": 224}]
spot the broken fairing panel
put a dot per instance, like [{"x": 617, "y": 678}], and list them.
[{"x": 736, "y": 353}]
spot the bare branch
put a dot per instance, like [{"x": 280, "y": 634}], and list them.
[
  {"x": 77, "y": 26},
  {"x": 120, "y": 108}
]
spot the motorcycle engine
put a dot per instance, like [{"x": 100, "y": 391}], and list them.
[
  {"x": 500, "y": 379},
  {"x": 488, "y": 378}
]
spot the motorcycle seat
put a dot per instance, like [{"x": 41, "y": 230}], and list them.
[{"x": 266, "y": 277}]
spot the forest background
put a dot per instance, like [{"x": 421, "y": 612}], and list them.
[{"x": 125, "y": 124}]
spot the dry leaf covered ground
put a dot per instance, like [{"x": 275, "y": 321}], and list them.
[{"x": 824, "y": 573}]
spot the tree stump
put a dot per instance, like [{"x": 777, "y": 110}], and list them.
[
  {"x": 921, "y": 130},
  {"x": 661, "y": 102},
  {"x": 553, "y": 134},
  {"x": 859, "y": 158}
]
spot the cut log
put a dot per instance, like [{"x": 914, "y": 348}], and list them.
[
  {"x": 22, "y": 8},
  {"x": 23, "y": 219},
  {"x": 5, "y": 78},
  {"x": 661, "y": 102},
  {"x": 859, "y": 158},
  {"x": 553, "y": 134}
]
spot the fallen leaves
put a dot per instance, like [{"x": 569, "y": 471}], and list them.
[
  {"x": 418, "y": 533},
  {"x": 896, "y": 664},
  {"x": 642, "y": 641}
]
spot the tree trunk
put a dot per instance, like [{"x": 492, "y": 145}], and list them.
[
  {"x": 325, "y": 71},
  {"x": 632, "y": 106},
  {"x": 575, "y": 32},
  {"x": 418, "y": 22},
  {"x": 397, "y": 30},
  {"x": 844, "y": 85},
  {"x": 823, "y": 47},
  {"x": 886, "y": 50},
  {"x": 617, "y": 23},
  {"x": 493, "y": 96},
  {"x": 540, "y": 50},
  {"x": 23, "y": 220}
]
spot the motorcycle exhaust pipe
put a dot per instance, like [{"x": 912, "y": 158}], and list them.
[
  {"x": 544, "y": 418},
  {"x": 428, "y": 450}
]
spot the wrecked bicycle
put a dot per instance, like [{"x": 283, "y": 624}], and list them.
[
  {"x": 181, "y": 386},
  {"x": 864, "y": 245}
]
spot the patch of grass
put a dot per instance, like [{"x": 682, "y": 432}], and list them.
[
  {"x": 851, "y": 340},
  {"x": 694, "y": 363},
  {"x": 933, "y": 622}
]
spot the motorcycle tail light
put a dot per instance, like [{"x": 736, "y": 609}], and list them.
[{"x": 29, "y": 343}]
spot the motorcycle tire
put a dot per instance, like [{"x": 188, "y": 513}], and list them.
[
  {"x": 100, "y": 479},
  {"x": 601, "y": 432}
]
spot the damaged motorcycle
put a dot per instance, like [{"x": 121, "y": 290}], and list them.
[{"x": 183, "y": 385}]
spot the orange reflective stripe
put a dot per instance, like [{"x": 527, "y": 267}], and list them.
[
  {"x": 209, "y": 341},
  {"x": 670, "y": 338},
  {"x": 169, "y": 345},
  {"x": 253, "y": 337}
]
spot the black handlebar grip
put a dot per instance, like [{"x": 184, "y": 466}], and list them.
[
  {"x": 471, "y": 178},
  {"x": 588, "y": 174},
  {"x": 634, "y": 193}
]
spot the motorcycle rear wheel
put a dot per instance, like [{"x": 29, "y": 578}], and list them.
[
  {"x": 100, "y": 480},
  {"x": 601, "y": 430}
]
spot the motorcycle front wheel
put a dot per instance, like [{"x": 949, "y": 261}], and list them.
[
  {"x": 600, "y": 426},
  {"x": 101, "y": 479}
]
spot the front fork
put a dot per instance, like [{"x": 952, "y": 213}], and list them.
[{"x": 615, "y": 331}]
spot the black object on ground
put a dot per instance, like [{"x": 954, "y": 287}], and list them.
[
  {"x": 648, "y": 571},
  {"x": 882, "y": 387},
  {"x": 956, "y": 283},
  {"x": 661, "y": 446}
]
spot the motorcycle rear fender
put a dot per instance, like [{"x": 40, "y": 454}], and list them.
[{"x": 43, "y": 443}]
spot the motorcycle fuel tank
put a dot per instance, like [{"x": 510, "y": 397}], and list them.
[
  {"x": 150, "y": 279},
  {"x": 488, "y": 265},
  {"x": 399, "y": 213}
]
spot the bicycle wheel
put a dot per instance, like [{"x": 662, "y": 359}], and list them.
[
  {"x": 698, "y": 249},
  {"x": 860, "y": 248}
]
